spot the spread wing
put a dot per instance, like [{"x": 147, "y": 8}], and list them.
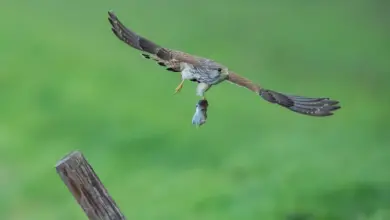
[
  {"x": 299, "y": 104},
  {"x": 171, "y": 59}
]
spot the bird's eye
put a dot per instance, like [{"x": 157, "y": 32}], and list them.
[{"x": 219, "y": 69}]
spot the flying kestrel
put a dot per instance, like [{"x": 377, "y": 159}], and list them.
[{"x": 208, "y": 73}]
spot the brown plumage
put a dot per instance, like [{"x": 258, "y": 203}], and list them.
[{"x": 207, "y": 73}]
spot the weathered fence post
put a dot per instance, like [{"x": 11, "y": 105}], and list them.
[{"x": 87, "y": 188}]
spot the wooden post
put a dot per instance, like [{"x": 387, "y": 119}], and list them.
[{"x": 87, "y": 188}]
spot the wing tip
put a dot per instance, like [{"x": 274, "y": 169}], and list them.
[
  {"x": 111, "y": 13},
  {"x": 318, "y": 107},
  {"x": 303, "y": 105}
]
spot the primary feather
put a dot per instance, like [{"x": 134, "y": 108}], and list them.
[
  {"x": 299, "y": 104},
  {"x": 207, "y": 72}
]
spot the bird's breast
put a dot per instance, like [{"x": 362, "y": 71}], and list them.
[
  {"x": 201, "y": 75},
  {"x": 188, "y": 73}
]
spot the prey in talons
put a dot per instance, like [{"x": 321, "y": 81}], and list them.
[
  {"x": 209, "y": 73},
  {"x": 200, "y": 115}
]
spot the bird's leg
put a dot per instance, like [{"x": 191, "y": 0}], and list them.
[
  {"x": 201, "y": 90},
  {"x": 179, "y": 87}
]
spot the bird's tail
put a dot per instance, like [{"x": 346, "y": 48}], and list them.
[{"x": 300, "y": 104}]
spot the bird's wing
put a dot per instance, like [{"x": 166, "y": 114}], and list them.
[
  {"x": 299, "y": 104},
  {"x": 150, "y": 50}
]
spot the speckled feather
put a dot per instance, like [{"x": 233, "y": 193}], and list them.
[{"x": 207, "y": 73}]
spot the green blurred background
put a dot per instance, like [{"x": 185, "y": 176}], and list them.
[{"x": 67, "y": 83}]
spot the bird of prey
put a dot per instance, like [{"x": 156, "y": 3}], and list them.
[{"x": 208, "y": 73}]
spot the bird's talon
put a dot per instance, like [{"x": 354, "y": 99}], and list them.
[
  {"x": 177, "y": 91},
  {"x": 179, "y": 87}
]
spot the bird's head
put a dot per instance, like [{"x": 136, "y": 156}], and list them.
[{"x": 223, "y": 71}]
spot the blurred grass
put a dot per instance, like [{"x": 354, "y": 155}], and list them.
[{"x": 67, "y": 83}]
